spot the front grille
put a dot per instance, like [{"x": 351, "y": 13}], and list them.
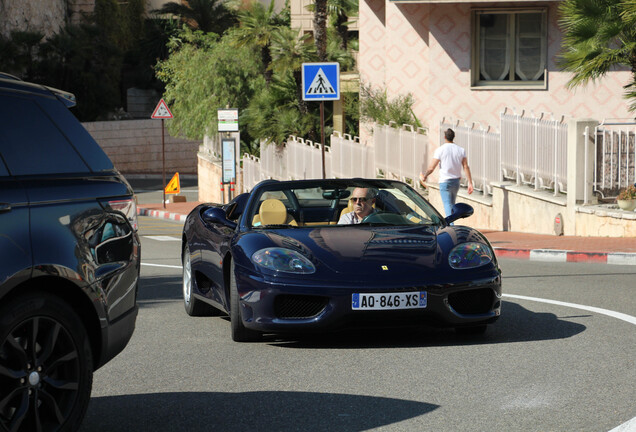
[
  {"x": 299, "y": 306},
  {"x": 477, "y": 301}
]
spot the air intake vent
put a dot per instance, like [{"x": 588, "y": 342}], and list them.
[
  {"x": 477, "y": 301},
  {"x": 299, "y": 306}
]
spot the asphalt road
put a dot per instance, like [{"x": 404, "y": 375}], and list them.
[{"x": 541, "y": 367}]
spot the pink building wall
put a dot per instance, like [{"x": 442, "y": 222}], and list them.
[{"x": 425, "y": 49}]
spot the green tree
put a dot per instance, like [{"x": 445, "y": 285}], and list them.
[
  {"x": 204, "y": 73},
  {"x": 289, "y": 51},
  {"x": 257, "y": 27},
  {"x": 376, "y": 106},
  {"x": 598, "y": 36},
  {"x": 205, "y": 15}
]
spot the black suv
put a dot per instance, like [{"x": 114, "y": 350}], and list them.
[{"x": 69, "y": 259}]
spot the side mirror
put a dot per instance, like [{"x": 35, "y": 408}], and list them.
[
  {"x": 460, "y": 211},
  {"x": 217, "y": 216}
]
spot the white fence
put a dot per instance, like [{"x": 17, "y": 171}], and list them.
[
  {"x": 534, "y": 150},
  {"x": 483, "y": 152},
  {"x": 614, "y": 157},
  {"x": 402, "y": 152},
  {"x": 530, "y": 150}
]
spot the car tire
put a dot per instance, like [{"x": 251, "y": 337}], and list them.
[
  {"x": 471, "y": 331},
  {"x": 239, "y": 332},
  {"x": 193, "y": 306},
  {"x": 46, "y": 365}
]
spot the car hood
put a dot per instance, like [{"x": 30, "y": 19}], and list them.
[{"x": 361, "y": 250}]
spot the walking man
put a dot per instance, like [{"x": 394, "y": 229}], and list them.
[{"x": 451, "y": 158}]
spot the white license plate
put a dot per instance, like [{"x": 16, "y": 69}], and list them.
[{"x": 406, "y": 300}]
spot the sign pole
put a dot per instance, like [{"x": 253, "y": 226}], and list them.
[
  {"x": 322, "y": 136},
  {"x": 163, "y": 153},
  {"x": 162, "y": 112},
  {"x": 321, "y": 82}
]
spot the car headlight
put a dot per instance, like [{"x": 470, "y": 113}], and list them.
[
  {"x": 470, "y": 255},
  {"x": 283, "y": 260}
]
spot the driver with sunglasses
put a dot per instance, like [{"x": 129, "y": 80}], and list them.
[{"x": 362, "y": 200}]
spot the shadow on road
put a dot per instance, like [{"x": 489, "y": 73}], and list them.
[
  {"x": 516, "y": 324},
  {"x": 247, "y": 411}
]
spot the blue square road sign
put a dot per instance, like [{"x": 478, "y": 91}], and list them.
[{"x": 321, "y": 81}]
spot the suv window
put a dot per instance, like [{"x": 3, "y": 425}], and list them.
[
  {"x": 79, "y": 137},
  {"x": 30, "y": 142}
]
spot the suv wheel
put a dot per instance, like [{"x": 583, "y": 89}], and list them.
[{"x": 46, "y": 371}]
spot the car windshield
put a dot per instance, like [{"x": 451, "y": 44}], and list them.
[{"x": 308, "y": 203}]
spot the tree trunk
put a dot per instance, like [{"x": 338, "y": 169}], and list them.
[{"x": 320, "y": 29}]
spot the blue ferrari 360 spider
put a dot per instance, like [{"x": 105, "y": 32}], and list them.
[{"x": 317, "y": 255}]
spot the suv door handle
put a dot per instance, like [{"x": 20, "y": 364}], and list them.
[{"x": 5, "y": 207}]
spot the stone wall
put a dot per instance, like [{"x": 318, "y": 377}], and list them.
[
  {"x": 135, "y": 147},
  {"x": 210, "y": 179},
  {"x": 44, "y": 16}
]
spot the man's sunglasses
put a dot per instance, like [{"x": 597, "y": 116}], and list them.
[{"x": 359, "y": 199}]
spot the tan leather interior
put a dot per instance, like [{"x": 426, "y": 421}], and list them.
[{"x": 273, "y": 212}]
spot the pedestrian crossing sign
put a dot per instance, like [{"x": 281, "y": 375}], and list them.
[{"x": 321, "y": 81}]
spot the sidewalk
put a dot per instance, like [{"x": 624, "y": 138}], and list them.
[{"x": 539, "y": 247}]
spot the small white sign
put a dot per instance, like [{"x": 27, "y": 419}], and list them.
[{"x": 228, "y": 120}]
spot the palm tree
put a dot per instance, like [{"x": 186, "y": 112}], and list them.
[
  {"x": 340, "y": 11},
  {"x": 320, "y": 29},
  {"x": 257, "y": 26},
  {"x": 289, "y": 51},
  {"x": 598, "y": 35},
  {"x": 205, "y": 15}
]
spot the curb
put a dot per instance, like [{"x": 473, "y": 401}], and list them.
[
  {"x": 553, "y": 255},
  {"x": 161, "y": 214}
]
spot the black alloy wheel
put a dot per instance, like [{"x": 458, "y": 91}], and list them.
[{"x": 46, "y": 369}]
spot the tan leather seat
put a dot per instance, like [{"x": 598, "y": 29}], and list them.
[{"x": 273, "y": 212}]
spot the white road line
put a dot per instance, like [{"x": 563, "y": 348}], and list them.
[
  {"x": 161, "y": 265},
  {"x": 162, "y": 238},
  {"x": 621, "y": 316},
  {"x": 628, "y": 426}
]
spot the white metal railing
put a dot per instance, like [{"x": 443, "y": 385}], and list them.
[
  {"x": 304, "y": 159},
  {"x": 350, "y": 158},
  {"x": 482, "y": 151},
  {"x": 614, "y": 156},
  {"x": 529, "y": 150},
  {"x": 534, "y": 150},
  {"x": 252, "y": 173},
  {"x": 400, "y": 153}
]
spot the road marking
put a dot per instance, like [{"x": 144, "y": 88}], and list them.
[
  {"x": 621, "y": 316},
  {"x": 162, "y": 238},
  {"x": 161, "y": 265},
  {"x": 628, "y": 426}
]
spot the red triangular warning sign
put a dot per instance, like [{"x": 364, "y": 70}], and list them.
[
  {"x": 161, "y": 111},
  {"x": 174, "y": 186}
]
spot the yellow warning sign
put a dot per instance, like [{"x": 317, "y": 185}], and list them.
[{"x": 174, "y": 187}]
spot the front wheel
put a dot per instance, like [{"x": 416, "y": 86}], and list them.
[
  {"x": 193, "y": 307},
  {"x": 46, "y": 365},
  {"x": 239, "y": 332}
]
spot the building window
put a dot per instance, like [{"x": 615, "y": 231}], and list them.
[{"x": 509, "y": 48}]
